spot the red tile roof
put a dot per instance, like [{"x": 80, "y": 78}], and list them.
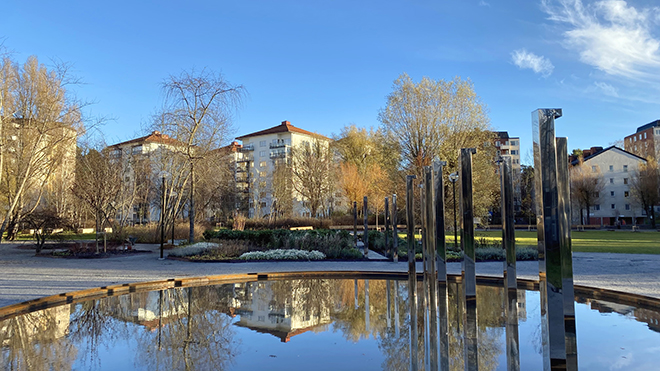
[
  {"x": 284, "y": 127},
  {"x": 154, "y": 137}
]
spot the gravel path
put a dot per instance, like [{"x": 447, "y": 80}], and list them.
[{"x": 24, "y": 276}]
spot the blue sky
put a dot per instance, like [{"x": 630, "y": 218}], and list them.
[{"x": 325, "y": 64}]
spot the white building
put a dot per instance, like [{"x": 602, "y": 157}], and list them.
[
  {"x": 615, "y": 203},
  {"x": 262, "y": 152},
  {"x": 136, "y": 157},
  {"x": 510, "y": 147}
]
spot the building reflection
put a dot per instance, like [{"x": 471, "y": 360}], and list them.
[{"x": 269, "y": 307}]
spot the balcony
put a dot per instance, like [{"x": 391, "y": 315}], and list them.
[
  {"x": 277, "y": 145},
  {"x": 244, "y": 160},
  {"x": 247, "y": 148},
  {"x": 278, "y": 154}
]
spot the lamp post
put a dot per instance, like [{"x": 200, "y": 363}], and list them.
[
  {"x": 162, "y": 217},
  {"x": 453, "y": 177}
]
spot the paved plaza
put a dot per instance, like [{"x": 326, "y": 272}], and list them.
[{"x": 24, "y": 276}]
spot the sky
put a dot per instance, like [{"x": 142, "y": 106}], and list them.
[{"x": 326, "y": 64}]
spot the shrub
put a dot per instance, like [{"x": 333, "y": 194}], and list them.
[
  {"x": 280, "y": 254},
  {"x": 150, "y": 233},
  {"x": 333, "y": 243},
  {"x": 195, "y": 249}
]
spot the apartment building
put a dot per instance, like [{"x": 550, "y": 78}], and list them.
[
  {"x": 510, "y": 146},
  {"x": 615, "y": 202},
  {"x": 645, "y": 142},
  {"x": 262, "y": 153},
  {"x": 139, "y": 159}
]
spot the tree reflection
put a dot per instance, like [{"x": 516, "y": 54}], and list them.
[
  {"x": 192, "y": 331},
  {"x": 37, "y": 341}
]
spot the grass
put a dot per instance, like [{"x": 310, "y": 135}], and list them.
[{"x": 587, "y": 241}]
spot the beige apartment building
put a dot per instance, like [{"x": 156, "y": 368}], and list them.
[
  {"x": 615, "y": 203},
  {"x": 262, "y": 152}
]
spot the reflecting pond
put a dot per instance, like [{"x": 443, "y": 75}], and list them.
[{"x": 319, "y": 324}]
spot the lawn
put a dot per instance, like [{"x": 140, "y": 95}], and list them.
[{"x": 587, "y": 241}]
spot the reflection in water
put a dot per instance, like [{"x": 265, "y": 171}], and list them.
[{"x": 214, "y": 327}]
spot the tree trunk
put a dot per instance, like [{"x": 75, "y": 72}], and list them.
[
  {"x": 652, "y": 217},
  {"x": 588, "y": 217},
  {"x": 582, "y": 216},
  {"x": 191, "y": 212},
  {"x": 96, "y": 234}
]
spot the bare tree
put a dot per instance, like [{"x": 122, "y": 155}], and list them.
[
  {"x": 40, "y": 124},
  {"x": 99, "y": 184},
  {"x": 645, "y": 187},
  {"x": 282, "y": 189},
  {"x": 197, "y": 112},
  {"x": 586, "y": 186},
  {"x": 313, "y": 175}
]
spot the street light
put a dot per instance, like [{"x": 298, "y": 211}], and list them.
[
  {"x": 453, "y": 177},
  {"x": 163, "y": 174}
]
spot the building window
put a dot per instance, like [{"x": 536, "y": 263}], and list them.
[
  {"x": 612, "y": 193},
  {"x": 497, "y": 144},
  {"x": 613, "y": 206},
  {"x": 514, "y": 152},
  {"x": 262, "y": 143},
  {"x": 640, "y": 136},
  {"x": 644, "y": 135},
  {"x": 627, "y": 206},
  {"x": 635, "y": 138},
  {"x": 626, "y": 194},
  {"x": 625, "y": 168},
  {"x": 597, "y": 207},
  {"x": 263, "y": 164},
  {"x": 611, "y": 168},
  {"x": 593, "y": 169},
  {"x": 136, "y": 150},
  {"x": 611, "y": 180},
  {"x": 262, "y": 153},
  {"x": 625, "y": 180}
]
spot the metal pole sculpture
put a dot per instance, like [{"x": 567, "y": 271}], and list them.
[
  {"x": 468, "y": 271},
  {"x": 388, "y": 250},
  {"x": 441, "y": 265},
  {"x": 395, "y": 232},
  {"x": 365, "y": 235},
  {"x": 432, "y": 281},
  {"x": 508, "y": 226},
  {"x": 396, "y": 309},
  {"x": 356, "y": 294},
  {"x": 355, "y": 236},
  {"x": 548, "y": 221},
  {"x": 412, "y": 274},
  {"x": 566, "y": 252},
  {"x": 512, "y": 345},
  {"x": 388, "y": 289},
  {"x": 367, "y": 307},
  {"x": 453, "y": 177},
  {"x": 510, "y": 282}
]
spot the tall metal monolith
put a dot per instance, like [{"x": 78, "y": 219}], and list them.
[{"x": 549, "y": 237}]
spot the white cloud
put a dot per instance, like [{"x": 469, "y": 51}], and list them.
[
  {"x": 610, "y": 35},
  {"x": 607, "y": 89},
  {"x": 524, "y": 59},
  {"x": 483, "y": 3}
]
